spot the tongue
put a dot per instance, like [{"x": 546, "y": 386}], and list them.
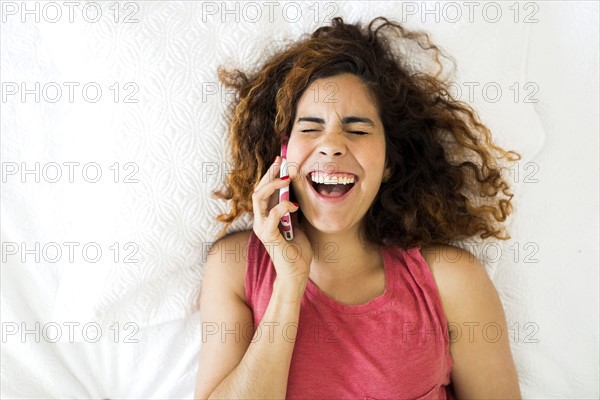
[{"x": 332, "y": 190}]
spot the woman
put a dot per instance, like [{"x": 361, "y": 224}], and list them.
[{"x": 369, "y": 300}]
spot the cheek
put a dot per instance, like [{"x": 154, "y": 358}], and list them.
[
  {"x": 375, "y": 157},
  {"x": 297, "y": 151},
  {"x": 295, "y": 156}
]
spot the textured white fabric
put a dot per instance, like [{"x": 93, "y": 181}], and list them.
[{"x": 174, "y": 136}]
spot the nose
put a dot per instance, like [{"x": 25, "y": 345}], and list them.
[{"x": 332, "y": 144}]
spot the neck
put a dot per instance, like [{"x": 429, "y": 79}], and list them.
[{"x": 341, "y": 255}]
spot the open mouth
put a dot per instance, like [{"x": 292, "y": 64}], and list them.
[{"x": 332, "y": 186}]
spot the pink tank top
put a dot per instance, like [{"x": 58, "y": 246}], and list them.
[{"x": 395, "y": 346}]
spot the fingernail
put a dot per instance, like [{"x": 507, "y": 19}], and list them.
[
  {"x": 283, "y": 178},
  {"x": 275, "y": 160},
  {"x": 296, "y": 204}
]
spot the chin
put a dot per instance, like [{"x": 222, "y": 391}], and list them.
[{"x": 328, "y": 225}]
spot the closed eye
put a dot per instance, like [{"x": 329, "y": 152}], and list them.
[{"x": 355, "y": 132}]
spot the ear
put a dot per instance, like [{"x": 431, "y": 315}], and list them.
[
  {"x": 387, "y": 174},
  {"x": 387, "y": 170}
]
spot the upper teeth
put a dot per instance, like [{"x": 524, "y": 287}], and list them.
[{"x": 343, "y": 179}]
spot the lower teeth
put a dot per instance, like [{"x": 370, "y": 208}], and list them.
[{"x": 332, "y": 190}]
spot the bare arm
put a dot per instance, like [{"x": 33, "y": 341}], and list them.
[
  {"x": 483, "y": 366},
  {"x": 233, "y": 363}
]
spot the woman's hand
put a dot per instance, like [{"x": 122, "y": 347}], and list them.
[{"x": 291, "y": 259}]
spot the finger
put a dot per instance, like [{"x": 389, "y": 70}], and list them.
[
  {"x": 295, "y": 220},
  {"x": 269, "y": 176},
  {"x": 262, "y": 196},
  {"x": 269, "y": 230},
  {"x": 272, "y": 173}
]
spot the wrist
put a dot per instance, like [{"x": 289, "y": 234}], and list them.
[{"x": 290, "y": 291}]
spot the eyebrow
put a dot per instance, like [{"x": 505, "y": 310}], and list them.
[{"x": 345, "y": 120}]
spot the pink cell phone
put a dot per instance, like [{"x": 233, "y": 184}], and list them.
[{"x": 284, "y": 193}]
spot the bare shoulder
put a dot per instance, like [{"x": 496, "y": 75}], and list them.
[
  {"x": 447, "y": 261},
  {"x": 226, "y": 261},
  {"x": 460, "y": 277},
  {"x": 483, "y": 367},
  {"x": 223, "y": 307}
]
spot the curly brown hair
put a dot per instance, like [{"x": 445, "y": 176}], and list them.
[{"x": 447, "y": 182}]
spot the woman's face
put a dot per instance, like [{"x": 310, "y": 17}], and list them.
[{"x": 338, "y": 140}]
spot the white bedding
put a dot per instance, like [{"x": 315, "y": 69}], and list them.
[{"x": 172, "y": 142}]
